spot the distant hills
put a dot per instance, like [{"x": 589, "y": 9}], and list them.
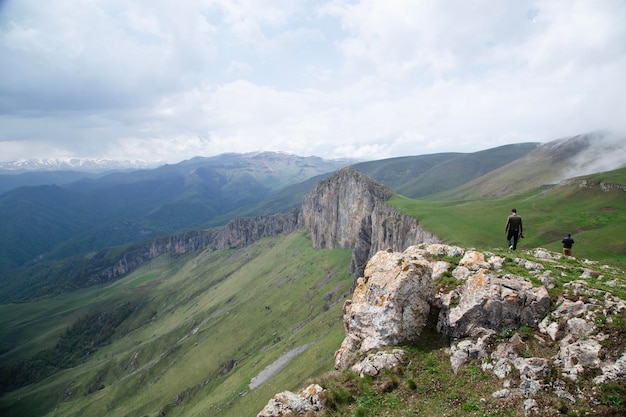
[
  {"x": 547, "y": 164},
  {"x": 55, "y": 221}
]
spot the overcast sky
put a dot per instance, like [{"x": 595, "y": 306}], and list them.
[{"x": 370, "y": 79}]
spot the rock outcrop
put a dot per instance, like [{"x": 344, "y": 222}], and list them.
[
  {"x": 348, "y": 210},
  {"x": 392, "y": 301},
  {"x": 489, "y": 301},
  {"x": 390, "y": 304},
  {"x": 244, "y": 231},
  {"x": 136, "y": 255}
]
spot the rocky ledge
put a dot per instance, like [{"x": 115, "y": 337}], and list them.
[{"x": 564, "y": 308}]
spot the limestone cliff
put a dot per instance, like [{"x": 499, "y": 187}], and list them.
[
  {"x": 348, "y": 210},
  {"x": 136, "y": 255},
  {"x": 243, "y": 231}
]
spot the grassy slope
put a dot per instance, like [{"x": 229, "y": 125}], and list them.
[
  {"x": 196, "y": 315},
  {"x": 596, "y": 219},
  {"x": 419, "y": 176}
]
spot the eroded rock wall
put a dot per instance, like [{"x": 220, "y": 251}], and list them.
[{"x": 349, "y": 210}]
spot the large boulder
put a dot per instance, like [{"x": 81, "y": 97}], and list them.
[
  {"x": 390, "y": 304},
  {"x": 488, "y": 302}
]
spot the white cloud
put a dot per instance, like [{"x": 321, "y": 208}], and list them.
[{"x": 335, "y": 78}]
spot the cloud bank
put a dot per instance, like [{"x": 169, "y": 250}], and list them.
[{"x": 158, "y": 80}]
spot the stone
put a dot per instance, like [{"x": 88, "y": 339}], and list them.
[
  {"x": 530, "y": 406},
  {"x": 503, "y": 393},
  {"x": 493, "y": 303},
  {"x": 532, "y": 371},
  {"x": 390, "y": 304},
  {"x": 288, "y": 404},
  {"x": 375, "y": 363},
  {"x": 464, "y": 350},
  {"x": 541, "y": 253},
  {"x": 576, "y": 355},
  {"x": 474, "y": 261},
  {"x": 440, "y": 268},
  {"x": 579, "y": 327},
  {"x": 438, "y": 249},
  {"x": 612, "y": 371}
]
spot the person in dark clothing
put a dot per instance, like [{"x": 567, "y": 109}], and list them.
[
  {"x": 567, "y": 245},
  {"x": 513, "y": 229}
]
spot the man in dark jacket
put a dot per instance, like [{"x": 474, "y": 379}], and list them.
[
  {"x": 568, "y": 242},
  {"x": 513, "y": 229}
]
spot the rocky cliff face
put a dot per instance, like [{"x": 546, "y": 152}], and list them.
[
  {"x": 246, "y": 230},
  {"x": 348, "y": 210},
  {"x": 178, "y": 243}
]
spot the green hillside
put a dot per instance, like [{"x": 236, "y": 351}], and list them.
[
  {"x": 595, "y": 218},
  {"x": 202, "y": 327},
  {"x": 546, "y": 165},
  {"x": 421, "y": 176}
]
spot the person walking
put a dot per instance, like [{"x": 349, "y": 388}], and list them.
[
  {"x": 568, "y": 242},
  {"x": 513, "y": 229}
]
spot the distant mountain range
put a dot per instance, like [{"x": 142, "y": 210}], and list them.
[
  {"x": 74, "y": 164},
  {"x": 56, "y": 220}
]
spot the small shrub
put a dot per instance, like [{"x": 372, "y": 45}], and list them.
[
  {"x": 614, "y": 395},
  {"x": 471, "y": 405},
  {"x": 337, "y": 397},
  {"x": 411, "y": 384}
]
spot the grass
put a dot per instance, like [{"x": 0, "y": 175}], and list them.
[
  {"x": 426, "y": 386},
  {"x": 196, "y": 315},
  {"x": 596, "y": 219}
]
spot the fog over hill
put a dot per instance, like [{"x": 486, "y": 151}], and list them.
[
  {"x": 548, "y": 164},
  {"x": 596, "y": 152}
]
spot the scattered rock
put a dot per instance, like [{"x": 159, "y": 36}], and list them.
[
  {"x": 466, "y": 349},
  {"x": 288, "y": 404},
  {"x": 375, "y": 363},
  {"x": 612, "y": 371}
]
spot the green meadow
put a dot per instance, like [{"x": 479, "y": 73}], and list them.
[
  {"x": 596, "y": 219},
  {"x": 202, "y": 328}
]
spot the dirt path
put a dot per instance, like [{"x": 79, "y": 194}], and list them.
[{"x": 276, "y": 366}]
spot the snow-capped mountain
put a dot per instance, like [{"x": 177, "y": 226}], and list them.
[{"x": 75, "y": 164}]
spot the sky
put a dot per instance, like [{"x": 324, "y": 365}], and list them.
[{"x": 159, "y": 80}]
